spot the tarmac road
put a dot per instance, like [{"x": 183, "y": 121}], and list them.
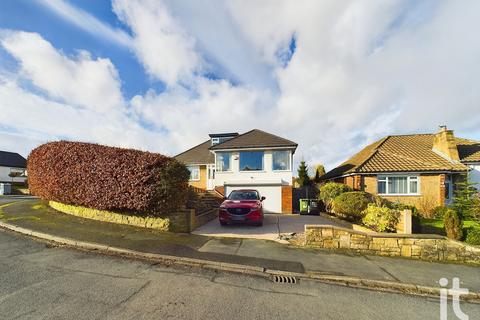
[{"x": 38, "y": 281}]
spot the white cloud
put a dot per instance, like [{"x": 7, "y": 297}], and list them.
[
  {"x": 162, "y": 46},
  {"x": 87, "y": 22},
  {"x": 83, "y": 81},
  {"x": 82, "y": 99},
  {"x": 361, "y": 70}
]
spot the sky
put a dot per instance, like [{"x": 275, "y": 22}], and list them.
[{"x": 160, "y": 75}]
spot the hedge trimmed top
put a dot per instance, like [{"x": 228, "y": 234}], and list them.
[{"x": 107, "y": 178}]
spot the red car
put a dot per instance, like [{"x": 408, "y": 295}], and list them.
[{"x": 242, "y": 206}]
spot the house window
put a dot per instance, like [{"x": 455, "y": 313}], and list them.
[
  {"x": 194, "y": 173},
  {"x": 397, "y": 185},
  {"x": 223, "y": 161},
  {"x": 281, "y": 160},
  {"x": 251, "y": 161}
]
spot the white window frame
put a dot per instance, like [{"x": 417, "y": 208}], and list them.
[
  {"x": 239, "y": 161},
  {"x": 289, "y": 160},
  {"x": 192, "y": 169},
  {"x": 385, "y": 178},
  {"x": 229, "y": 162}
]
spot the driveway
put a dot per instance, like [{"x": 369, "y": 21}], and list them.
[{"x": 273, "y": 226}]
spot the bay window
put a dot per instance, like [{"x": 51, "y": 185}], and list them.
[
  {"x": 398, "y": 185},
  {"x": 281, "y": 160},
  {"x": 223, "y": 161},
  {"x": 251, "y": 161}
]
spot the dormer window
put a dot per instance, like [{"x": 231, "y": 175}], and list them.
[{"x": 222, "y": 137}]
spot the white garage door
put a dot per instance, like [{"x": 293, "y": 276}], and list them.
[{"x": 272, "y": 194}]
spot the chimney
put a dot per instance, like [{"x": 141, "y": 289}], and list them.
[{"x": 444, "y": 144}]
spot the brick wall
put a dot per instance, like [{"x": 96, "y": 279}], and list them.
[
  {"x": 431, "y": 193},
  {"x": 425, "y": 247},
  {"x": 287, "y": 199}
]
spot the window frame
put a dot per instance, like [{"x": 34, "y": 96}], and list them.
[
  {"x": 410, "y": 178},
  {"x": 240, "y": 161},
  {"x": 289, "y": 160},
  {"x": 195, "y": 167},
  {"x": 229, "y": 162}
]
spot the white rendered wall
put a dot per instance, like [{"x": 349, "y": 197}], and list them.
[
  {"x": 266, "y": 176},
  {"x": 5, "y": 171}
]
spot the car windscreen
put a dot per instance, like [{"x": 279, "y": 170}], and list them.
[{"x": 244, "y": 195}]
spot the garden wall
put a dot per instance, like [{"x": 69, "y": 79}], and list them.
[
  {"x": 183, "y": 220},
  {"x": 425, "y": 247}
]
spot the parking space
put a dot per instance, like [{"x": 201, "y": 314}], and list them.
[{"x": 273, "y": 226}]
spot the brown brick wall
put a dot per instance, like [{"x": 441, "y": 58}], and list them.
[
  {"x": 431, "y": 191},
  {"x": 287, "y": 200}
]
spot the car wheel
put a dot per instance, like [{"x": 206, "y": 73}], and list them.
[
  {"x": 259, "y": 224},
  {"x": 222, "y": 223}
]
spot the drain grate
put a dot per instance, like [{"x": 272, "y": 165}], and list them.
[{"x": 284, "y": 279}]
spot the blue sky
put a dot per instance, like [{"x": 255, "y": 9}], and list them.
[{"x": 160, "y": 75}]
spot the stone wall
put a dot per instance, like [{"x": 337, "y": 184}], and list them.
[
  {"x": 182, "y": 221},
  {"x": 416, "y": 246}
]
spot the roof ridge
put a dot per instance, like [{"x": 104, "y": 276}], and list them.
[
  {"x": 11, "y": 152},
  {"x": 382, "y": 141},
  {"x": 219, "y": 144}
]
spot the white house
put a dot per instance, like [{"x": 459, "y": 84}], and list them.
[
  {"x": 11, "y": 162},
  {"x": 253, "y": 160}
]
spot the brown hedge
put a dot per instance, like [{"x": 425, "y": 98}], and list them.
[{"x": 107, "y": 178}]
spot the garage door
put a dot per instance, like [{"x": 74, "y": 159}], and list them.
[{"x": 272, "y": 194}]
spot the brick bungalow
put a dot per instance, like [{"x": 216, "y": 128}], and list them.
[{"x": 416, "y": 169}]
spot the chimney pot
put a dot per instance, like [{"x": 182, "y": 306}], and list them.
[{"x": 443, "y": 127}]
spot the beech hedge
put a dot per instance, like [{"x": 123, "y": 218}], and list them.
[{"x": 107, "y": 178}]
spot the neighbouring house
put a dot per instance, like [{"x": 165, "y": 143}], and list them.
[
  {"x": 12, "y": 167},
  {"x": 253, "y": 160},
  {"x": 417, "y": 169}
]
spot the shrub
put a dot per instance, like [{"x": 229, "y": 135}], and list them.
[
  {"x": 351, "y": 204},
  {"x": 331, "y": 190},
  {"x": 473, "y": 236},
  {"x": 107, "y": 178},
  {"x": 426, "y": 204},
  {"x": 439, "y": 212},
  {"x": 453, "y": 224},
  {"x": 381, "y": 219}
]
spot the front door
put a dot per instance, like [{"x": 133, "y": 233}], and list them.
[
  {"x": 448, "y": 189},
  {"x": 210, "y": 177}
]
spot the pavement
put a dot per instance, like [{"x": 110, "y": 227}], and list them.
[
  {"x": 273, "y": 226},
  {"x": 40, "y": 281},
  {"x": 32, "y": 215}
]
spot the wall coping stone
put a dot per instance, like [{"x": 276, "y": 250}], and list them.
[{"x": 377, "y": 234}]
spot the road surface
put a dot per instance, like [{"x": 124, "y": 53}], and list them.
[{"x": 38, "y": 281}]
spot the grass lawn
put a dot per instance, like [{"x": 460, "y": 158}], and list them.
[{"x": 436, "y": 226}]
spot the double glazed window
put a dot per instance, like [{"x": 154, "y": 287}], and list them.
[
  {"x": 280, "y": 160},
  {"x": 223, "y": 161},
  {"x": 397, "y": 185},
  {"x": 194, "y": 173},
  {"x": 251, "y": 161}
]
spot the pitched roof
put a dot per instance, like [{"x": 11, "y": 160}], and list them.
[
  {"x": 254, "y": 139},
  {"x": 403, "y": 153},
  {"x": 12, "y": 159},
  {"x": 197, "y": 155},
  {"x": 468, "y": 150}
]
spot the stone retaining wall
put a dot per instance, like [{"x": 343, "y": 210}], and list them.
[
  {"x": 181, "y": 221},
  {"x": 416, "y": 246}
]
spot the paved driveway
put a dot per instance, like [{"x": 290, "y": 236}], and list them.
[{"x": 273, "y": 226}]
